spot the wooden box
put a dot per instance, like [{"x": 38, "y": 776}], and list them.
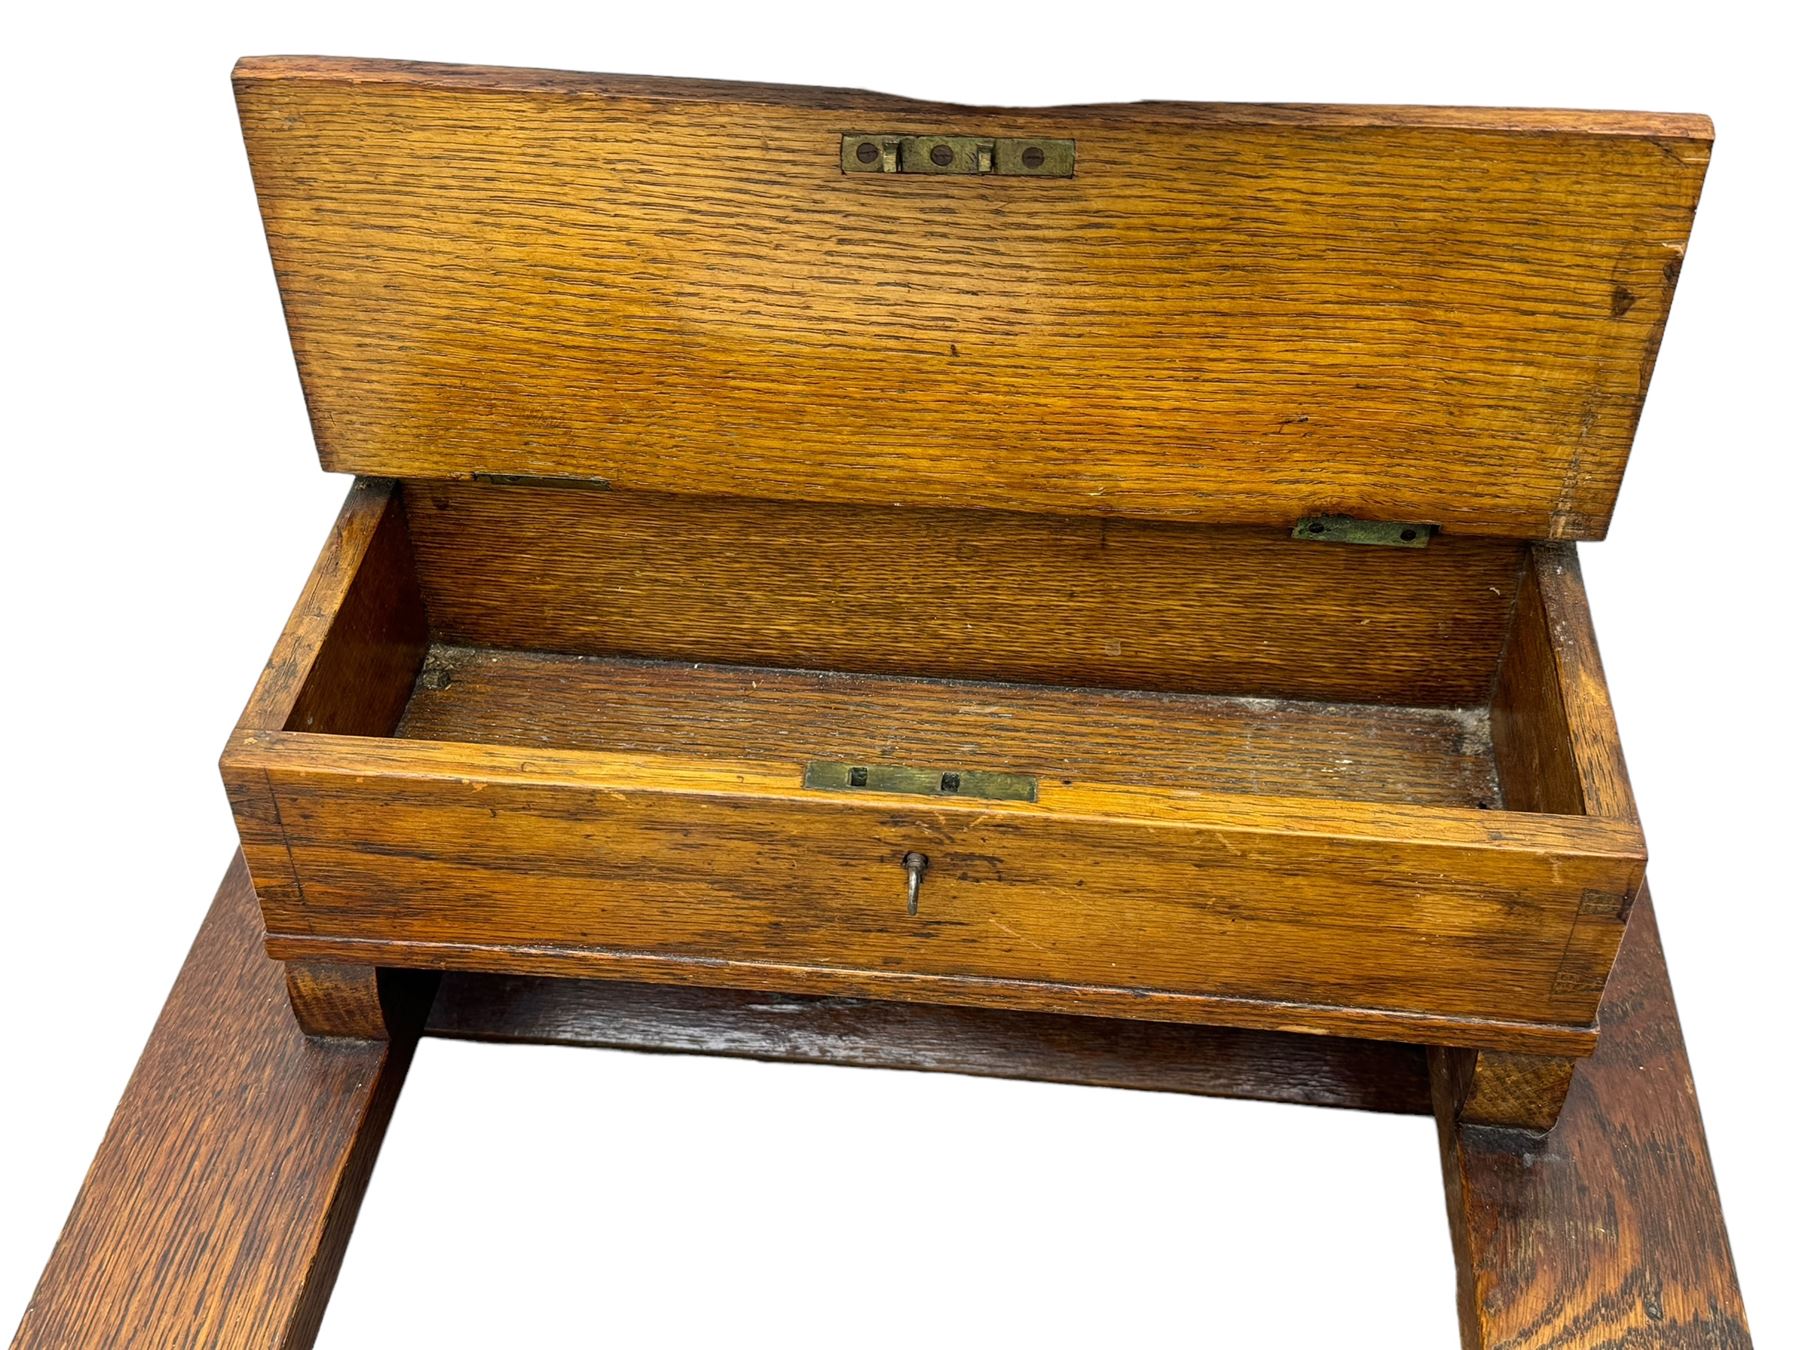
[{"x": 1126, "y": 568}]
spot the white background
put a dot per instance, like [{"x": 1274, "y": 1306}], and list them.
[{"x": 162, "y": 507}]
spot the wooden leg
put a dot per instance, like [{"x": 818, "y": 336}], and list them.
[
  {"x": 1607, "y": 1231},
  {"x": 217, "y": 1209},
  {"x": 334, "y": 1000},
  {"x": 357, "y": 1003},
  {"x": 1487, "y": 1087}
]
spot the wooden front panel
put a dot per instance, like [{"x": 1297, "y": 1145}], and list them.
[
  {"x": 1174, "y": 903},
  {"x": 1228, "y": 314}
]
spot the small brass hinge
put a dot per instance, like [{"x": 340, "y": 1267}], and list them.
[
  {"x": 830, "y": 775},
  {"x": 1350, "y": 530},
  {"x": 1006, "y": 156}
]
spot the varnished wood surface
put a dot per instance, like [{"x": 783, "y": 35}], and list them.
[
  {"x": 1227, "y": 314},
  {"x": 1092, "y": 898},
  {"x": 363, "y": 571},
  {"x": 1586, "y": 703},
  {"x": 1491, "y": 1087},
  {"x": 1607, "y": 1233},
  {"x": 1421, "y": 756},
  {"x": 345, "y": 662},
  {"x": 336, "y": 1000},
  {"x": 218, "y": 1206},
  {"x": 995, "y": 595},
  {"x": 523, "y": 826},
  {"x": 220, "y": 1201},
  {"x": 1556, "y": 744},
  {"x": 867, "y": 1033}
]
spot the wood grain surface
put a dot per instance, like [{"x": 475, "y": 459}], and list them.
[
  {"x": 1421, "y": 756},
  {"x": 1607, "y": 1233},
  {"x": 869, "y": 1033},
  {"x": 1229, "y": 313},
  {"x": 217, "y": 1209},
  {"x": 219, "y": 1204},
  {"x": 1093, "y": 898},
  {"x": 555, "y": 814},
  {"x": 1492, "y": 1087},
  {"x": 346, "y": 662},
  {"x": 995, "y": 595}
]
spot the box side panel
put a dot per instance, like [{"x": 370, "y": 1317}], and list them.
[
  {"x": 361, "y": 558},
  {"x": 990, "y": 595},
  {"x": 344, "y": 663},
  {"x": 1557, "y": 748}
]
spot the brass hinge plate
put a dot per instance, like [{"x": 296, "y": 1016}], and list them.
[
  {"x": 1350, "y": 530},
  {"x": 830, "y": 775},
  {"x": 1005, "y": 156}
]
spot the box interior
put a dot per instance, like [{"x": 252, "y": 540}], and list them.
[{"x": 1216, "y": 659}]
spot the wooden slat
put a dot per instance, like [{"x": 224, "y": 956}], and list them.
[
  {"x": 1607, "y": 1232},
  {"x": 1229, "y": 314},
  {"x": 217, "y": 1209},
  {"x": 868, "y": 1033}
]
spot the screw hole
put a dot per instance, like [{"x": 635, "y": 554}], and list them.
[
  {"x": 859, "y": 777},
  {"x": 941, "y": 156},
  {"x": 1315, "y": 528},
  {"x": 868, "y": 152},
  {"x": 1409, "y": 535},
  {"x": 951, "y": 782},
  {"x": 1033, "y": 157},
  {"x": 1482, "y": 806}
]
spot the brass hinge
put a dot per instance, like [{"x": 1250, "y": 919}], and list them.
[
  {"x": 830, "y": 775},
  {"x": 1350, "y": 530},
  {"x": 1006, "y": 156}
]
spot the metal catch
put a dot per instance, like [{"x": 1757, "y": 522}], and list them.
[
  {"x": 831, "y": 775},
  {"x": 1350, "y": 530}
]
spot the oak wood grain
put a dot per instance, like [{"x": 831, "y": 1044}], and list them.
[
  {"x": 1228, "y": 314},
  {"x": 1556, "y": 747},
  {"x": 1143, "y": 897},
  {"x": 357, "y": 588},
  {"x": 996, "y": 595},
  {"x": 216, "y": 1211},
  {"x": 512, "y": 836},
  {"x": 869, "y": 1033},
  {"x": 1606, "y": 1234},
  {"x": 1421, "y": 756},
  {"x": 336, "y": 1000},
  {"x": 218, "y": 1206},
  {"x": 345, "y": 662},
  {"x": 1493, "y": 1087}
]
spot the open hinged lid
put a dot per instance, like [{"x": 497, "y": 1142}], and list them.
[{"x": 1227, "y": 314}]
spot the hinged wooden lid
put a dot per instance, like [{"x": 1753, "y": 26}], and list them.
[{"x": 1218, "y": 313}]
